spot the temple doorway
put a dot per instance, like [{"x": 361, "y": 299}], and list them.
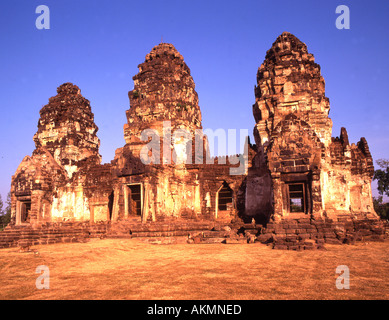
[
  {"x": 297, "y": 198},
  {"x": 135, "y": 200},
  {"x": 25, "y": 209},
  {"x": 225, "y": 197}
]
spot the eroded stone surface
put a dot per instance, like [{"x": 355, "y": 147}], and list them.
[
  {"x": 163, "y": 90},
  {"x": 299, "y": 183},
  {"x": 67, "y": 130},
  {"x": 174, "y": 177},
  {"x": 50, "y": 185},
  {"x": 295, "y": 149}
]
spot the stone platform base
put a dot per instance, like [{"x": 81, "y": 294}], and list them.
[
  {"x": 26, "y": 236},
  {"x": 308, "y": 234},
  {"x": 291, "y": 234},
  {"x": 186, "y": 231}
]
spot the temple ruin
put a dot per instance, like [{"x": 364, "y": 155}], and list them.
[
  {"x": 163, "y": 180},
  {"x": 299, "y": 166}
]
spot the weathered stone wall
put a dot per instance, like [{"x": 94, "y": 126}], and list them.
[
  {"x": 289, "y": 82},
  {"x": 164, "y": 174},
  {"x": 294, "y": 144},
  {"x": 174, "y": 176},
  {"x": 50, "y": 185},
  {"x": 346, "y": 177},
  {"x": 67, "y": 130},
  {"x": 308, "y": 234}
]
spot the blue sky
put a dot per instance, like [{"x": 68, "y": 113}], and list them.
[{"x": 98, "y": 45}]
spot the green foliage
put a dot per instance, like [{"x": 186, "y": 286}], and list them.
[
  {"x": 382, "y": 209},
  {"x": 383, "y": 163},
  {"x": 1, "y": 206},
  {"x": 5, "y": 215},
  {"x": 382, "y": 176}
]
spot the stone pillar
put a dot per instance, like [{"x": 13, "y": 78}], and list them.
[
  {"x": 115, "y": 209},
  {"x": 38, "y": 204},
  {"x": 217, "y": 202},
  {"x": 92, "y": 213},
  {"x": 35, "y": 200},
  {"x": 125, "y": 194},
  {"x": 317, "y": 207},
  {"x": 197, "y": 199},
  {"x": 277, "y": 197},
  {"x": 145, "y": 209},
  {"x": 17, "y": 212}
]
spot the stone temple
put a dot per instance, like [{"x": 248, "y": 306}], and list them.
[{"x": 296, "y": 187}]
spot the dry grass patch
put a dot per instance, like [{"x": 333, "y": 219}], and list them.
[{"x": 131, "y": 269}]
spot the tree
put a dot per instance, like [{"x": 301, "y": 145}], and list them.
[
  {"x": 1, "y": 213},
  {"x": 382, "y": 209},
  {"x": 5, "y": 215},
  {"x": 382, "y": 177},
  {"x": 1, "y": 206}
]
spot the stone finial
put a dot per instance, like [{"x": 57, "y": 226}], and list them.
[
  {"x": 68, "y": 88},
  {"x": 166, "y": 49},
  {"x": 286, "y": 43}
]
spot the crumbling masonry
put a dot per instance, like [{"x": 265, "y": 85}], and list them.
[{"x": 296, "y": 187}]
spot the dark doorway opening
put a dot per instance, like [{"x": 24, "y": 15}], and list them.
[
  {"x": 297, "y": 198},
  {"x": 25, "y": 208},
  {"x": 110, "y": 205},
  {"x": 225, "y": 197},
  {"x": 135, "y": 200}
]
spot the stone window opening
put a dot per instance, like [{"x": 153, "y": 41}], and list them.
[
  {"x": 297, "y": 198},
  {"x": 225, "y": 197}
]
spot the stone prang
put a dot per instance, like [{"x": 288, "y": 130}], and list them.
[{"x": 297, "y": 187}]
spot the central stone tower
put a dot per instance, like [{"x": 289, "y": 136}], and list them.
[
  {"x": 161, "y": 170},
  {"x": 163, "y": 100},
  {"x": 163, "y": 90},
  {"x": 164, "y": 110}
]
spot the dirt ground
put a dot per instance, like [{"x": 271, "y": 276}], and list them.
[{"x": 135, "y": 270}]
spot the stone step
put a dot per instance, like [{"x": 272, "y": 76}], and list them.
[
  {"x": 234, "y": 240},
  {"x": 166, "y": 240},
  {"x": 118, "y": 236},
  {"x": 160, "y": 234},
  {"x": 205, "y": 240},
  {"x": 215, "y": 234}
]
